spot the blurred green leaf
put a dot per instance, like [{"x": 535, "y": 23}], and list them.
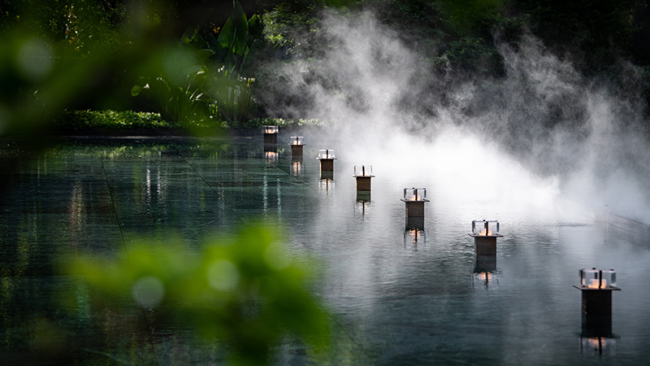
[
  {"x": 135, "y": 91},
  {"x": 245, "y": 291}
]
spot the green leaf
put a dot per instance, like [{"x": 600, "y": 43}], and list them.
[
  {"x": 203, "y": 55},
  {"x": 234, "y": 34},
  {"x": 226, "y": 34},
  {"x": 136, "y": 90},
  {"x": 255, "y": 27},
  {"x": 241, "y": 29}
]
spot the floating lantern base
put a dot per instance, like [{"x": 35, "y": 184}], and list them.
[
  {"x": 363, "y": 183},
  {"x": 485, "y": 245},
  {"x": 414, "y": 223},
  {"x": 415, "y": 208},
  {"x": 597, "y": 304},
  {"x": 296, "y": 150},
  {"x": 363, "y": 196},
  {"x": 485, "y": 263},
  {"x": 326, "y": 165},
  {"x": 270, "y": 138},
  {"x": 597, "y": 328}
]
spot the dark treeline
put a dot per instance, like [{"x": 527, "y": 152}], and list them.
[
  {"x": 595, "y": 34},
  {"x": 457, "y": 36}
]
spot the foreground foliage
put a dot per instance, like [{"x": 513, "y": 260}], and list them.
[{"x": 244, "y": 292}]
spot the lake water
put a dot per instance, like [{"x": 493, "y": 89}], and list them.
[{"x": 395, "y": 300}]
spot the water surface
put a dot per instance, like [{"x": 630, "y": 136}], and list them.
[{"x": 395, "y": 300}]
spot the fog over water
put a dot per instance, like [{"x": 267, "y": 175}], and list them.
[{"x": 543, "y": 137}]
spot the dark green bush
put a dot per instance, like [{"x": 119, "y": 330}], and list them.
[{"x": 112, "y": 120}]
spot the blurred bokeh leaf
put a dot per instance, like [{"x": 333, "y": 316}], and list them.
[{"x": 245, "y": 291}]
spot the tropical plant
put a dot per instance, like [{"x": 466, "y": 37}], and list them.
[
  {"x": 232, "y": 47},
  {"x": 179, "y": 88}
]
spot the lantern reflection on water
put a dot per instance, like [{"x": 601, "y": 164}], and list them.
[
  {"x": 485, "y": 271},
  {"x": 362, "y": 206},
  {"x": 485, "y": 278},
  {"x": 601, "y": 346},
  {"x": 413, "y": 236},
  {"x": 326, "y": 185},
  {"x": 326, "y": 157},
  {"x": 271, "y": 156},
  {"x": 296, "y": 167}
]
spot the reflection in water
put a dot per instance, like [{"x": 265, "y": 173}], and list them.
[
  {"x": 485, "y": 278},
  {"x": 485, "y": 271},
  {"x": 385, "y": 290},
  {"x": 161, "y": 184},
  {"x": 278, "y": 193},
  {"x": 296, "y": 167},
  {"x": 326, "y": 185},
  {"x": 413, "y": 237},
  {"x": 271, "y": 156},
  {"x": 601, "y": 346},
  {"x": 361, "y": 206},
  {"x": 267, "y": 195},
  {"x": 76, "y": 212}
]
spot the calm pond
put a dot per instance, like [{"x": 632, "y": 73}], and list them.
[{"x": 398, "y": 296}]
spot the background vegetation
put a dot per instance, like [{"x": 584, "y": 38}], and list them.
[{"x": 179, "y": 59}]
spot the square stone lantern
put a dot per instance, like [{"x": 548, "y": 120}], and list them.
[
  {"x": 270, "y": 134},
  {"x": 296, "y": 143},
  {"x": 415, "y": 198},
  {"x": 596, "y": 287},
  {"x": 363, "y": 174},
  {"x": 485, "y": 234},
  {"x": 326, "y": 157}
]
